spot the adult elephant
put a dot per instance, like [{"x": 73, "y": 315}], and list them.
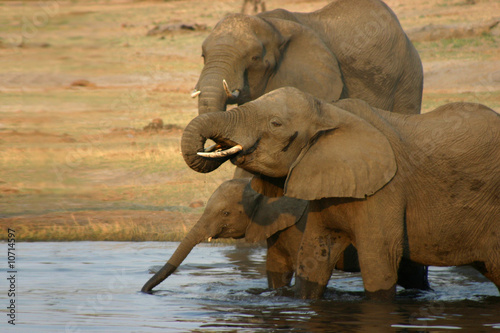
[
  {"x": 235, "y": 210},
  {"x": 349, "y": 48},
  {"x": 420, "y": 187}
]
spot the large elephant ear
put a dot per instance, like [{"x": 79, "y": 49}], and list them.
[
  {"x": 348, "y": 157},
  {"x": 306, "y": 62},
  {"x": 272, "y": 215}
]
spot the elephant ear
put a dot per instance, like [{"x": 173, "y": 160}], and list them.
[
  {"x": 272, "y": 215},
  {"x": 306, "y": 62},
  {"x": 348, "y": 157}
]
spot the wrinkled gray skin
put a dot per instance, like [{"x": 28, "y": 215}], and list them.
[
  {"x": 349, "y": 48},
  {"x": 235, "y": 211},
  {"x": 423, "y": 187},
  {"x": 335, "y": 52}
]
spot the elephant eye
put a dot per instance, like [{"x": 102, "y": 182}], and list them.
[
  {"x": 276, "y": 123},
  {"x": 255, "y": 58},
  {"x": 225, "y": 213}
]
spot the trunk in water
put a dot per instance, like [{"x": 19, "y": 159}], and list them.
[{"x": 194, "y": 237}]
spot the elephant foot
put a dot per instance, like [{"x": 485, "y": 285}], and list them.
[
  {"x": 277, "y": 280},
  {"x": 306, "y": 289},
  {"x": 382, "y": 295}
]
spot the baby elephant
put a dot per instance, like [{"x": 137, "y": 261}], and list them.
[
  {"x": 235, "y": 210},
  {"x": 421, "y": 187}
]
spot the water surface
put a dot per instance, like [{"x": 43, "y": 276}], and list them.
[{"x": 94, "y": 287}]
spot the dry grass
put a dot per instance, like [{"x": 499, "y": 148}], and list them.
[
  {"x": 99, "y": 231},
  {"x": 71, "y": 150},
  {"x": 117, "y": 225},
  {"x": 102, "y": 226}
]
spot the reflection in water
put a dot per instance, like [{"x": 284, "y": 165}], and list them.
[{"x": 80, "y": 286}]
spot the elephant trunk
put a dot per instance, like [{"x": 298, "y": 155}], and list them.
[
  {"x": 193, "y": 238},
  {"x": 213, "y": 96},
  {"x": 218, "y": 126}
]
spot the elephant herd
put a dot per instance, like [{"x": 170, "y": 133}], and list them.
[{"x": 339, "y": 170}]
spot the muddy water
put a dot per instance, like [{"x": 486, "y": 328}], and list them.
[{"x": 93, "y": 287}]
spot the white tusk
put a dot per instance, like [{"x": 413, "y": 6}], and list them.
[
  {"x": 221, "y": 153},
  {"x": 195, "y": 93},
  {"x": 230, "y": 94},
  {"x": 209, "y": 239},
  {"x": 226, "y": 88}
]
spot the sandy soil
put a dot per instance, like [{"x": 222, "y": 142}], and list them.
[
  {"x": 423, "y": 20},
  {"x": 67, "y": 64}
]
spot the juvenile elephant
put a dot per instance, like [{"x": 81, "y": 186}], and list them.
[
  {"x": 420, "y": 187},
  {"x": 349, "y": 48},
  {"x": 235, "y": 211}
]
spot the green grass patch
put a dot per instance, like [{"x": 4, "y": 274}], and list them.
[{"x": 483, "y": 47}]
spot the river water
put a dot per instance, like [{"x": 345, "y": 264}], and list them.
[{"x": 94, "y": 287}]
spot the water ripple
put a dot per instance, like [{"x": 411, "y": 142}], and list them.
[{"x": 94, "y": 286}]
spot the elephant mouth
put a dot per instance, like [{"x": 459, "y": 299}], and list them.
[
  {"x": 218, "y": 150},
  {"x": 224, "y": 235},
  {"x": 233, "y": 151}
]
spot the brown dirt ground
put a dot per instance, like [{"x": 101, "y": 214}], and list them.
[{"x": 477, "y": 75}]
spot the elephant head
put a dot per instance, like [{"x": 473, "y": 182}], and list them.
[
  {"x": 234, "y": 211},
  {"x": 246, "y": 56},
  {"x": 317, "y": 149}
]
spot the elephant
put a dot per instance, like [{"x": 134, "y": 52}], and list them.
[
  {"x": 349, "y": 48},
  {"x": 421, "y": 187},
  {"x": 235, "y": 210}
]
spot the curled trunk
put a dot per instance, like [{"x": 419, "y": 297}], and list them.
[
  {"x": 194, "y": 237},
  {"x": 217, "y": 126}
]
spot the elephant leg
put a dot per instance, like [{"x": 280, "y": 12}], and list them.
[
  {"x": 490, "y": 270},
  {"x": 379, "y": 267},
  {"x": 318, "y": 253},
  {"x": 279, "y": 268},
  {"x": 277, "y": 280},
  {"x": 410, "y": 275}
]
